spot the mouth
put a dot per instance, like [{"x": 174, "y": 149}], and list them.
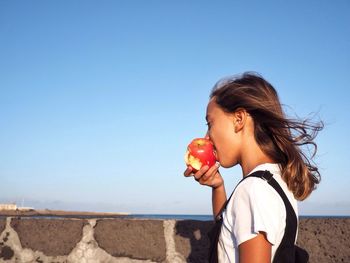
[{"x": 216, "y": 154}]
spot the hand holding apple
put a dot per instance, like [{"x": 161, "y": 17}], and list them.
[{"x": 200, "y": 152}]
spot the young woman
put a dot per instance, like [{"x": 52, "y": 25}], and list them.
[{"x": 248, "y": 127}]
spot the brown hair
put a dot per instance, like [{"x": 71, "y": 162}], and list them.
[{"x": 279, "y": 137}]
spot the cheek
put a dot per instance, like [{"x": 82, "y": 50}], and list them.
[
  {"x": 227, "y": 156},
  {"x": 225, "y": 147}
]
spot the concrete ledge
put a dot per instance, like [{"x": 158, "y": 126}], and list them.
[
  {"x": 327, "y": 240},
  {"x": 137, "y": 239},
  {"x": 2, "y": 224},
  {"x": 53, "y": 237},
  {"x": 191, "y": 239},
  {"x": 33, "y": 240}
]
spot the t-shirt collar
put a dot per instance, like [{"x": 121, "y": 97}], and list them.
[{"x": 274, "y": 168}]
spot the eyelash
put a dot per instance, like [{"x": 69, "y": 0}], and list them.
[{"x": 208, "y": 124}]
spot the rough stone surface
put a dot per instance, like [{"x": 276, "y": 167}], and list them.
[
  {"x": 53, "y": 237},
  {"x": 169, "y": 234},
  {"x": 326, "y": 239},
  {"x": 2, "y": 224},
  {"x": 136, "y": 239},
  {"x": 191, "y": 239},
  {"x": 6, "y": 252},
  {"x": 139, "y": 241}
]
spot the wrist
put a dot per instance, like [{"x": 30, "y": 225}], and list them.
[{"x": 218, "y": 187}]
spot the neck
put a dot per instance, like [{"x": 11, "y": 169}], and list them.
[{"x": 252, "y": 156}]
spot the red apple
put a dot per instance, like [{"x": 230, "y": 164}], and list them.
[{"x": 200, "y": 152}]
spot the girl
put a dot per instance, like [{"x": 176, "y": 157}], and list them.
[{"x": 247, "y": 126}]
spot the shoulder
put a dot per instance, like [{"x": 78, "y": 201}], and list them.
[
  {"x": 254, "y": 187},
  {"x": 257, "y": 191},
  {"x": 255, "y": 206}
]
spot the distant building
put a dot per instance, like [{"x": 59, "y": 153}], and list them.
[
  {"x": 8, "y": 207},
  {"x": 25, "y": 208}
]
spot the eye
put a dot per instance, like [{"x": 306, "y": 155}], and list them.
[{"x": 208, "y": 124}]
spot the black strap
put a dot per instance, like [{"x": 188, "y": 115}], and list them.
[
  {"x": 214, "y": 233},
  {"x": 291, "y": 217},
  {"x": 254, "y": 174},
  {"x": 287, "y": 251},
  {"x": 288, "y": 239}
]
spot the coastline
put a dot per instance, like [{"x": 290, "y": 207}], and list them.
[
  {"x": 59, "y": 213},
  {"x": 47, "y": 213}
]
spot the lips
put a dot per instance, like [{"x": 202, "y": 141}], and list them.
[{"x": 216, "y": 154}]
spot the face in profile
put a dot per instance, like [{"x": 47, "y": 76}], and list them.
[{"x": 221, "y": 131}]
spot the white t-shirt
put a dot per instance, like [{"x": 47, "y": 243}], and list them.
[{"x": 254, "y": 206}]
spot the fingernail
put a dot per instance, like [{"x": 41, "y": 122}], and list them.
[{"x": 217, "y": 164}]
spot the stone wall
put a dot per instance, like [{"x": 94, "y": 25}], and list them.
[{"x": 135, "y": 240}]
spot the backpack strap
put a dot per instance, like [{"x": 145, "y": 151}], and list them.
[
  {"x": 259, "y": 173},
  {"x": 287, "y": 250},
  {"x": 291, "y": 217},
  {"x": 214, "y": 233}
]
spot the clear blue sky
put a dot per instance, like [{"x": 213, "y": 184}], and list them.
[{"x": 99, "y": 99}]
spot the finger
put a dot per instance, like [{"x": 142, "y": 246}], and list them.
[
  {"x": 188, "y": 172},
  {"x": 200, "y": 173},
  {"x": 211, "y": 172}
]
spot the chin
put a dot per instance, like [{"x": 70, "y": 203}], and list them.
[
  {"x": 227, "y": 164},
  {"x": 224, "y": 164}
]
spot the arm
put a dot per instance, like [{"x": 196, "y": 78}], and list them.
[
  {"x": 218, "y": 199},
  {"x": 255, "y": 250},
  {"x": 256, "y": 213},
  {"x": 211, "y": 177}
]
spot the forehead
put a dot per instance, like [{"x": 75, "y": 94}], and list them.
[{"x": 213, "y": 109}]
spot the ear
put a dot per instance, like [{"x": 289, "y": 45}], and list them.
[{"x": 239, "y": 119}]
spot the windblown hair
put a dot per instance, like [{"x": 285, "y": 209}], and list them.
[{"x": 281, "y": 138}]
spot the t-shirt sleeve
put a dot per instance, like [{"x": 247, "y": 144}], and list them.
[{"x": 256, "y": 207}]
